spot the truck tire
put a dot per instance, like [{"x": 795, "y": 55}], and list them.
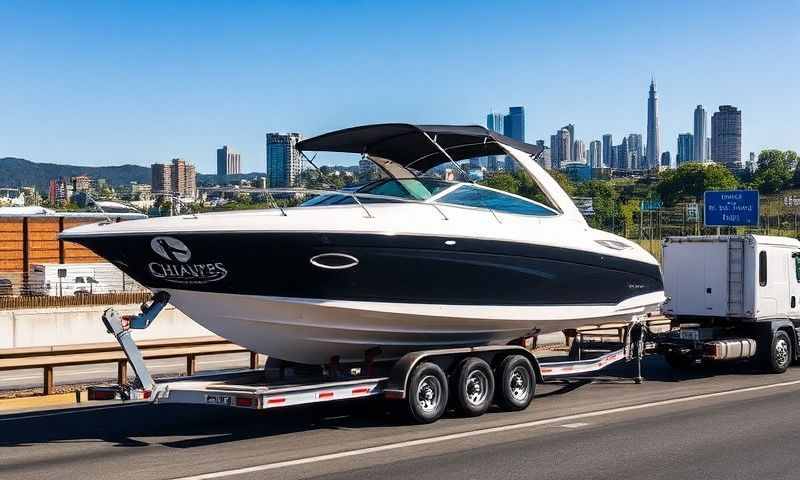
[
  {"x": 780, "y": 353},
  {"x": 516, "y": 383},
  {"x": 473, "y": 387},
  {"x": 427, "y": 393}
]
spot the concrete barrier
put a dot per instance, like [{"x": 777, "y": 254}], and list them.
[{"x": 40, "y": 327}]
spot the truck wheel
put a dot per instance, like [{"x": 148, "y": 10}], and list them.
[
  {"x": 780, "y": 353},
  {"x": 427, "y": 393},
  {"x": 473, "y": 387},
  {"x": 516, "y": 383}
]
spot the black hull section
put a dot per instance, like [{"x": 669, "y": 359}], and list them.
[{"x": 390, "y": 268}]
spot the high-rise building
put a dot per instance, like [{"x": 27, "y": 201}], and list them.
[
  {"x": 685, "y": 148},
  {"x": 614, "y": 161},
  {"x": 653, "y": 139},
  {"x": 751, "y": 164},
  {"x": 623, "y": 155},
  {"x": 59, "y": 192},
  {"x": 726, "y": 136},
  {"x": 608, "y": 155},
  {"x": 81, "y": 183},
  {"x": 544, "y": 157},
  {"x": 579, "y": 151},
  {"x": 283, "y": 159},
  {"x": 635, "y": 159},
  {"x": 176, "y": 178},
  {"x": 494, "y": 122},
  {"x": 161, "y": 178},
  {"x": 707, "y": 150},
  {"x": 554, "y": 151},
  {"x": 228, "y": 162},
  {"x": 596, "y": 154},
  {"x": 666, "y": 159},
  {"x": 699, "y": 134},
  {"x": 514, "y": 127},
  {"x": 564, "y": 148}
]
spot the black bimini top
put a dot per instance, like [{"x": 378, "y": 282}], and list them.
[{"x": 409, "y": 146}]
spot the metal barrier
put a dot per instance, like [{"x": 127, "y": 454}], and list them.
[{"x": 47, "y": 358}]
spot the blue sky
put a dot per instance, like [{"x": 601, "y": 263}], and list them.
[{"x": 141, "y": 82}]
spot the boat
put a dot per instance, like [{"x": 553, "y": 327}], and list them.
[{"x": 405, "y": 263}]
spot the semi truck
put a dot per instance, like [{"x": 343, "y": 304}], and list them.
[{"x": 731, "y": 297}]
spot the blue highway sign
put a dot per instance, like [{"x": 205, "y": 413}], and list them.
[{"x": 731, "y": 208}]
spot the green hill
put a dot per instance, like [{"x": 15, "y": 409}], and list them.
[{"x": 18, "y": 172}]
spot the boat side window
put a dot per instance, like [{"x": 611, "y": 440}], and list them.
[
  {"x": 471, "y": 196},
  {"x": 762, "y": 268}
]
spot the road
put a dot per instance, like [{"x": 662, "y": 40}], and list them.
[
  {"x": 726, "y": 426},
  {"x": 22, "y": 379}
]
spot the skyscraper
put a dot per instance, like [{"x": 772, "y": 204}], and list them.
[
  {"x": 176, "y": 178},
  {"x": 666, "y": 159},
  {"x": 699, "y": 133},
  {"x": 578, "y": 151},
  {"x": 608, "y": 155},
  {"x": 494, "y": 122},
  {"x": 653, "y": 140},
  {"x": 635, "y": 160},
  {"x": 161, "y": 178},
  {"x": 514, "y": 127},
  {"x": 623, "y": 155},
  {"x": 228, "y": 162},
  {"x": 283, "y": 159},
  {"x": 685, "y": 148},
  {"x": 563, "y": 148},
  {"x": 726, "y": 136},
  {"x": 595, "y": 154},
  {"x": 544, "y": 157},
  {"x": 572, "y": 154}
]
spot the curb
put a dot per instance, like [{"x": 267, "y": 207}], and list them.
[{"x": 40, "y": 401}]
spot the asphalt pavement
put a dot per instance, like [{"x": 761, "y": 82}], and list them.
[{"x": 725, "y": 424}]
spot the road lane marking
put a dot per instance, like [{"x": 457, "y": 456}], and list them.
[
  {"x": 475, "y": 433},
  {"x": 575, "y": 425}
]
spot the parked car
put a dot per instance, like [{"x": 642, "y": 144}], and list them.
[{"x": 6, "y": 287}]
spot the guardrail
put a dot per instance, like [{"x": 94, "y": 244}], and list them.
[
  {"x": 47, "y": 358},
  {"x": 46, "y": 301}
]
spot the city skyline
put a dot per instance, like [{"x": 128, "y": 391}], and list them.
[{"x": 136, "y": 83}]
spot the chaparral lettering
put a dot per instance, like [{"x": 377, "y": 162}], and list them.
[{"x": 193, "y": 273}]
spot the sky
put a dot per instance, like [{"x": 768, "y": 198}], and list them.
[{"x": 107, "y": 83}]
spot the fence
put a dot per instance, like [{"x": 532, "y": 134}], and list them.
[{"x": 101, "y": 299}]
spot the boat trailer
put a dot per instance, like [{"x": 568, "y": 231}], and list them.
[{"x": 271, "y": 388}]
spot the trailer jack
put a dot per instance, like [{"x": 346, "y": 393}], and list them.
[{"x": 121, "y": 326}]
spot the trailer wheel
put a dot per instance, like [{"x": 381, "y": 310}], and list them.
[
  {"x": 780, "y": 353},
  {"x": 427, "y": 393},
  {"x": 473, "y": 387},
  {"x": 517, "y": 383}
]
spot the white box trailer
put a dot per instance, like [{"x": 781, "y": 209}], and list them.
[
  {"x": 732, "y": 297},
  {"x": 749, "y": 276},
  {"x": 65, "y": 279}
]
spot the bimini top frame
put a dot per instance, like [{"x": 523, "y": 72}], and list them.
[{"x": 397, "y": 148}]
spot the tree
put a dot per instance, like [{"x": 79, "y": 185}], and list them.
[
  {"x": 503, "y": 181},
  {"x": 774, "y": 173},
  {"x": 604, "y": 200},
  {"x": 691, "y": 180}
]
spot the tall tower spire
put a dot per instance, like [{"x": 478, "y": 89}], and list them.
[{"x": 653, "y": 127}]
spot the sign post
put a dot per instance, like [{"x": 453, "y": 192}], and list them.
[{"x": 730, "y": 208}]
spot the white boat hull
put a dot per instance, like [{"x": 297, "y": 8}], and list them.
[{"x": 313, "y": 330}]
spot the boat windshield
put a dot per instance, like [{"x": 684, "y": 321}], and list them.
[{"x": 420, "y": 189}]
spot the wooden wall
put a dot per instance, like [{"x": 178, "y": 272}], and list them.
[{"x": 28, "y": 240}]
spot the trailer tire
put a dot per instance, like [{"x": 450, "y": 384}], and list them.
[
  {"x": 780, "y": 353},
  {"x": 516, "y": 383},
  {"x": 473, "y": 387},
  {"x": 427, "y": 393}
]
